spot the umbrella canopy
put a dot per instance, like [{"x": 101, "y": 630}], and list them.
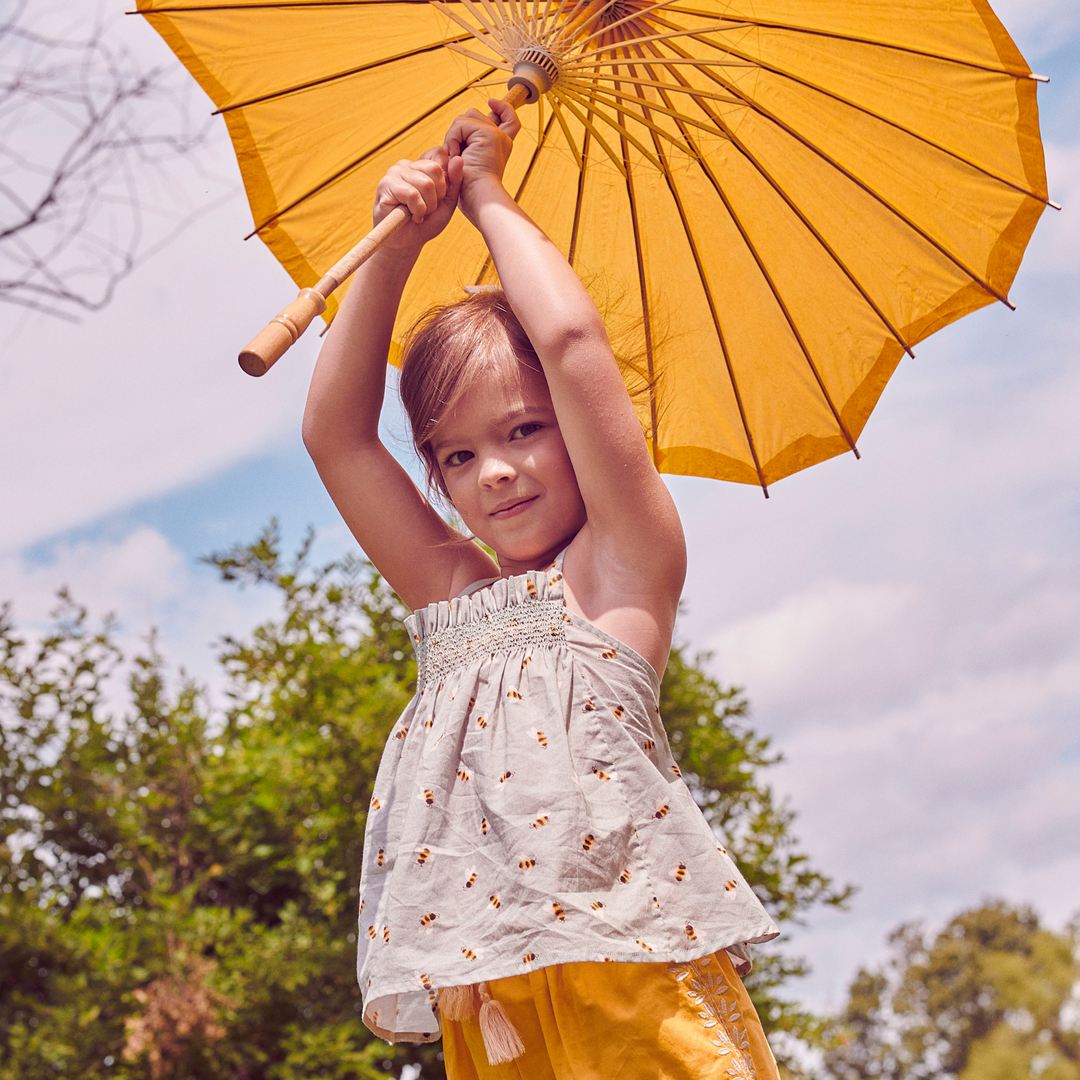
[{"x": 774, "y": 198}]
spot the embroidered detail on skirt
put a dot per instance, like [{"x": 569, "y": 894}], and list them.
[
  {"x": 533, "y": 624},
  {"x": 720, "y": 1012}
]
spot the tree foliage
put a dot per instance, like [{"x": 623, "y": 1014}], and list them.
[
  {"x": 177, "y": 884},
  {"x": 993, "y": 996}
]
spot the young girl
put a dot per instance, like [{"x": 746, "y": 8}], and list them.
[{"x": 539, "y": 885}]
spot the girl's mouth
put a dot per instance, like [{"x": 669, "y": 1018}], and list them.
[{"x": 512, "y": 509}]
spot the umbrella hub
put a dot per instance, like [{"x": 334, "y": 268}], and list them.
[{"x": 537, "y": 70}]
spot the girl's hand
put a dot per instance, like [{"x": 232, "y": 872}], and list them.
[
  {"x": 425, "y": 189},
  {"x": 479, "y": 148}
]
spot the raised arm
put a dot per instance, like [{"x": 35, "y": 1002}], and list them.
[
  {"x": 630, "y": 559},
  {"x": 418, "y": 553}
]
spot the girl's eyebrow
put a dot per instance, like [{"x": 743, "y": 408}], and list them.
[{"x": 507, "y": 418}]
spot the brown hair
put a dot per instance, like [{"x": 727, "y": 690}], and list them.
[{"x": 446, "y": 352}]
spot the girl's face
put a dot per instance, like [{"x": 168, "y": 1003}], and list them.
[{"x": 506, "y": 469}]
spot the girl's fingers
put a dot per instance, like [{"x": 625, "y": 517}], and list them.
[
  {"x": 416, "y": 185},
  {"x": 506, "y": 116}
]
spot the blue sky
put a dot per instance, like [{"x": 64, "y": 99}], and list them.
[{"x": 907, "y": 627}]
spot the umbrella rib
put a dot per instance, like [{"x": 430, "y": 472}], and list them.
[
  {"x": 870, "y": 112},
  {"x": 864, "y": 186},
  {"x": 341, "y": 75},
  {"x": 188, "y": 9},
  {"x": 797, "y": 210},
  {"x": 585, "y": 141},
  {"x": 521, "y": 189},
  {"x": 760, "y": 262},
  {"x": 364, "y": 157},
  {"x": 670, "y": 180},
  {"x": 643, "y": 293},
  {"x": 739, "y": 23}
]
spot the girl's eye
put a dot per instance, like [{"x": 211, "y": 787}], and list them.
[
  {"x": 459, "y": 457},
  {"x": 525, "y": 430}
]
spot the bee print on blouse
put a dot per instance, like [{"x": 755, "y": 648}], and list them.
[
  {"x": 539, "y": 823},
  {"x": 401, "y": 733},
  {"x": 541, "y": 738},
  {"x": 691, "y": 934},
  {"x": 471, "y": 882},
  {"x": 648, "y": 746},
  {"x": 625, "y": 876},
  {"x": 371, "y": 931},
  {"x": 617, "y": 712},
  {"x": 526, "y": 662},
  {"x": 730, "y": 886},
  {"x": 528, "y": 958},
  {"x": 483, "y": 826},
  {"x": 676, "y": 770},
  {"x": 381, "y": 857},
  {"x": 463, "y": 776},
  {"x": 429, "y": 918},
  {"x": 527, "y": 864},
  {"x": 587, "y": 843},
  {"x": 531, "y": 587},
  {"x": 600, "y": 774},
  {"x": 481, "y": 722},
  {"x": 556, "y": 907},
  {"x": 589, "y": 706},
  {"x": 468, "y": 953},
  {"x": 422, "y": 856},
  {"x": 598, "y": 905},
  {"x": 429, "y": 797},
  {"x": 505, "y": 776},
  {"x": 386, "y": 934},
  {"x": 494, "y": 900},
  {"x": 425, "y": 981},
  {"x": 375, "y": 804},
  {"x": 680, "y": 872},
  {"x": 609, "y": 654},
  {"x": 662, "y": 812},
  {"x": 513, "y": 695},
  {"x": 645, "y": 945}
]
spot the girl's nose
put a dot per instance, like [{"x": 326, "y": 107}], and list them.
[{"x": 494, "y": 470}]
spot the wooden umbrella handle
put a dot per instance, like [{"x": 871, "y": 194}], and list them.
[{"x": 271, "y": 344}]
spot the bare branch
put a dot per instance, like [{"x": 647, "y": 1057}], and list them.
[{"x": 101, "y": 159}]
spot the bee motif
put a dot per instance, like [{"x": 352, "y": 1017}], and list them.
[
  {"x": 527, "y": 864},
  {"x": 600, "y": 774},
  {"x": 495, "y": 902},
  {"x": 505, "y": 776},
  {"x": 662, "y": 812},
  {"x": 375, "y": 804},
  {"x": 555, "y": 579},
  {"x": 617, "y": 712},
  {"x": 525, "y": 663},
  {"x": 416, "y": 637},
  {"x": 483, "y": 826},
  {"x": 676, "y": 770},
  {"x": 539, "y": 823},
  {"x": 429, "y": 797},
  {"x": 481, "y": 722},
  {"x": 513, "y": 695},
  {"x": 729, "y": 886},
  {"x": 468, "y": 954},
  {"x": 401, "y": 733},
  {"x": 425, "y": 981},
  {"x": 723, "y": 851},
  {"x": 559, "y": 913},
  {"x": 648, "y": 746},
  {"x": 609, "y": 654},
  {"x": 645, "y": 945},
  {"x": 430, "y": 720},
  {"x": 624, "y": 877},
  {"x": 440, "y": 690},
  {"x": 680, "y": 871},
  {"x": 428, "y": 919},
  {"x": 528, "y": 958},
  {"x": 656, "y": 903},
  {"x": 463, "y": 776},
  {"x": 597, "y": 905},
  {"x": 472, "y": 702},
  {"x": 566, "y": 618},
  {"x": 371, "y": 932},
  {"x": 470, "y": 883},
  {"x": 531, "y": 587},
  {"x": 361, "y": 911},
  {"x": 588, "y": 842},
  {"x": 541, "y": 738},
  {"x": 422, "y": 856},
  {"x": 690, "y": 932},
  {"x": 589, "y": 706},
  {"x": 381, "y": 857},
  {"x": 386, "y": 934}
]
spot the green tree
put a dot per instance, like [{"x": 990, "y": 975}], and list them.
[
  {"x": 993, "y": 996},
  {"x": 177, "y": 884}
]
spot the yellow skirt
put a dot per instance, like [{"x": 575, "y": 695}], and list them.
[{"x": 679, "y": 1021}]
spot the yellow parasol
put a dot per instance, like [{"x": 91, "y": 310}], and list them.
[{"x": 782, "y": 196}]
